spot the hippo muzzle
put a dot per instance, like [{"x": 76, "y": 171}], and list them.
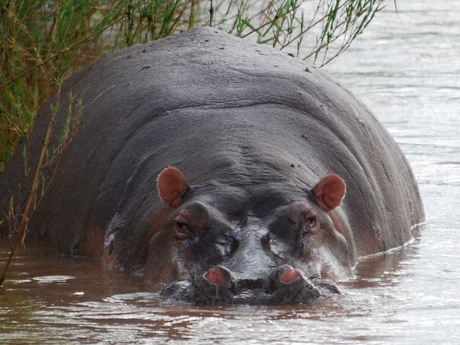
[{"x": 218, "y": 286}]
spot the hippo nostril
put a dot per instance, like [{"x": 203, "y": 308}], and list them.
[
  {"x": 288, "y": 274},
  {"x": 288, "y": 285},
  {"x": 216, "y": 275},
  {"x": 284, "y": 277}
]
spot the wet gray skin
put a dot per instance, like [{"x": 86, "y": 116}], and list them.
[{"x": 259, "y": 246}]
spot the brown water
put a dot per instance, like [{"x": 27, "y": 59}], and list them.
[{"x": 406, "y": 68}]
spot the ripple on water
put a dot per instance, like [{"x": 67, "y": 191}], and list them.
[{"x": 53, "y": 279}]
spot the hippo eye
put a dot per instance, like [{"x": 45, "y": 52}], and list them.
[
  {"x": 310, "y": 222},
  {"x": 182, "y": 232},
  {"x": 182, "y": 229}
]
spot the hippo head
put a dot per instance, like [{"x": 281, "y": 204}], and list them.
[{"x": 271, "y": 243}]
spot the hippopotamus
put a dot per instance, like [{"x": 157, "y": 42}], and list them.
[{"x": 221, "y": 171}]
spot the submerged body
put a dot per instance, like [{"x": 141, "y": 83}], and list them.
[{"x": 218, "y": 169}]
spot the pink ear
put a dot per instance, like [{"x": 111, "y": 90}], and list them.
[
  {"x": 172, "y": 186},
  {"x": 330, "y": 192}
]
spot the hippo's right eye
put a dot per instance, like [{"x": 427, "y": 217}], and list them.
[{"x": 182, "y": 229}]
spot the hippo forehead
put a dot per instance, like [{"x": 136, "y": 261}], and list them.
[{"x": 253, "y": 201}]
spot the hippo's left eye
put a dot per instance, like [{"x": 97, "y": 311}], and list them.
[{"x": 310, "y": 222}]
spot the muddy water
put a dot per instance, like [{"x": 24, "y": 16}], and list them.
[{"x": 406, "y": 68}]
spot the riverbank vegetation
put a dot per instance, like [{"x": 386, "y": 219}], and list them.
[{"x": 44, "y": 41}]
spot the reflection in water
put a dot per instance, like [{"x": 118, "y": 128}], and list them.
[{"x": 406, "y": 69}]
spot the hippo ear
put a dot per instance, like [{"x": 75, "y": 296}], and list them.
[
  {"x": 330, "y": 192},
  {"x": 172, "y": 186}
]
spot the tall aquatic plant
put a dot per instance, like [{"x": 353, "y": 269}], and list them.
[{"x": 50, "y": 156}]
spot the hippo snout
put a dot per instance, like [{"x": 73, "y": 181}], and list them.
[{"x": 218, "y": 285}]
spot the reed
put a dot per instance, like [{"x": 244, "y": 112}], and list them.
[{"x": 50, "y": 156}]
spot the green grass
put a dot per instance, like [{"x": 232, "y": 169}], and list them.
[{"x": 42, "y": 41}]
